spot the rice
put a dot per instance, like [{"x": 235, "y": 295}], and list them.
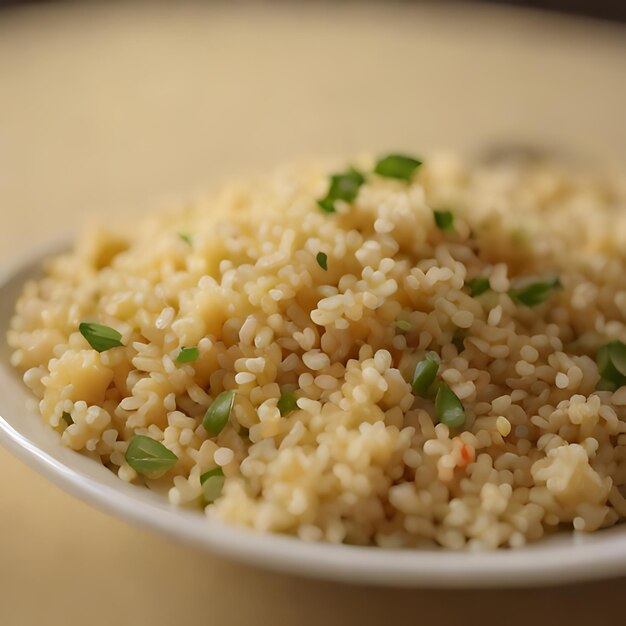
[{"x": 360, "y": 459}]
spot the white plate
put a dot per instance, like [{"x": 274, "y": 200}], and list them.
[{"x": 561, "y": 558}]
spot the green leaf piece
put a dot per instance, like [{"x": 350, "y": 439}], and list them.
[
  {"x": 478, "y": 286},
  {"x": 617, "y": 352},
  {"x": 397, "y": 166},
  {"x": 448, "y": 407},
  {"x": 535, "y": 293},
  {"x": 146, "y": 455},
  {"x": 342, "y": 187},
  {"x": 425, "y": 374},
  {"x": 611, "y": 360},
  {"x": 99, "y": 337},
  {"x": 322, "y": 260},
  {"x": 444, "y": 220},
  {"x": 287, "y": 403},
  {"x": 218, "y": 413},
  {"x": 187, "y": 355},
  {"x": 212, "y": 484}
]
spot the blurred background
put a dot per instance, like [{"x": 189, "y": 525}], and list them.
[
  {"x": 606, "y": 9},
  {"x": 111, "y": 109}
]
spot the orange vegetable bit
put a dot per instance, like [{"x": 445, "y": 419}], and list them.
[{"x": 467, "y": 454}]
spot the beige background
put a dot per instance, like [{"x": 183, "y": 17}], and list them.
[{"x": 111, "y": 109}]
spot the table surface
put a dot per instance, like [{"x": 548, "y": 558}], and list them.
[{"x": 113, "y": 110}]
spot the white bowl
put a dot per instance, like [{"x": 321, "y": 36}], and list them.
[{"x": 560, "y": 558}]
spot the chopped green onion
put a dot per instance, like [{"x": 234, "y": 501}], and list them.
[
  {"x": 287, "y": 403},
  {"x": 425, "y": 373},
  {"x": 187, "y": 355},
  {"x": 145, "y": 455},
  {"x": 534, "y": 293},
  {"x": 100, "y": 337},
  {"x": 448, "y": 407},
  {"x": 67, "y": 418},
  {"x": 212, "y": 483},
  {"x": 342, "y": 187},
  {"x": 611, "y": 360},
  {"x": 322, "y": 260},
  {"x": 403, "y": 325},
  {"x": 185, "y": 237},
  {"x": 478, "y": 285},
  {"x": 397, "y": 166},
  {"x": 444, "y": 220},
  {"x": 218, "y": 413}
]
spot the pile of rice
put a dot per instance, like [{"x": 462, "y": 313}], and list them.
[{"x": 361, "y": 460}]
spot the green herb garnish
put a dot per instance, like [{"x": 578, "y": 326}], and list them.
[
  {"x": 403, "y": 325},
  {"x": 218, "y": 413},
  {"x": 322, "y": 260},
  {"x": 342, "y": 187},
  {"x": 100, "y": 337},
  {"x": 67, "y": 418},
  {"x": 425, "y": 373},
  {"x": 212, "y": 483},
  {"x": 287, "y": 403},
  {"x": 397, "y": 166},
  {"x": 187, "y": 355},
  {"x": 478, "y": 285},
  {"x": 146, "y": 455},
  {"x": 444, "y": 220},
  {"x": 611, "y": 360},
  {"x": 448, "y": 407},
  {"x": 534, "y": 293},
  {"x": 185, "y": 237}
]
